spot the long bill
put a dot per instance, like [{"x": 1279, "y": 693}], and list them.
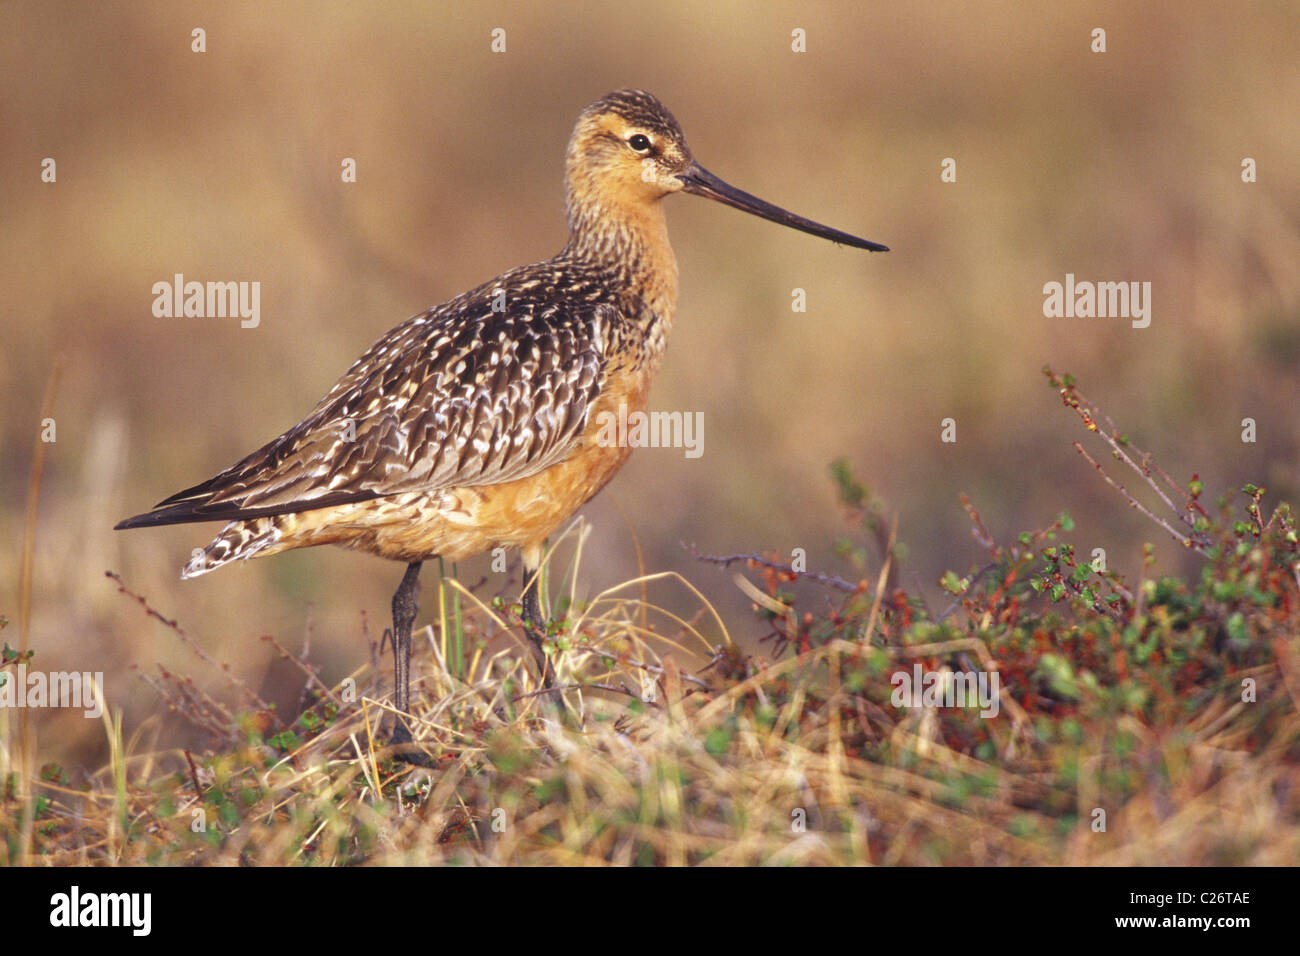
[{"x": 700, "y": 182}]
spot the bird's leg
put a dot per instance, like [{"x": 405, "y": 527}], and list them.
[
  {"x": 404, "y": 611},
  {"x": 534, "y": 623}
]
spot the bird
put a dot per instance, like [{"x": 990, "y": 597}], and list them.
[{"x": 474, "y": 425}]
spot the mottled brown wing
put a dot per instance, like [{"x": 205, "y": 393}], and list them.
[{"x": 460, "y": 395}]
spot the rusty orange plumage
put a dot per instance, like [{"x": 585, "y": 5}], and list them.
[{"x": 473, "y": 425}]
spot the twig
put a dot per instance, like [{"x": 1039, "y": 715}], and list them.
[
  {"x": 975, "y": 579},
  {"x": 189, "y": 642},
  {"x": 978, "y": 530},
  {"x": 829, "y": 580},
  {"x": 1091, "y": 415},
  {"x": 558, "y": 688},
  {"x": 194, "y": 775},
  {"x": 1134, "y": 503},
  {"x": 311, "y": 672},
  {"x": 655, "y": 669}
]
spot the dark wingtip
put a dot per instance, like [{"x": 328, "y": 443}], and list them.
[
  {"x": 139, "y": 521},
  {"x": 176, "y": 514},
  {"x": 199, "y": 510}
]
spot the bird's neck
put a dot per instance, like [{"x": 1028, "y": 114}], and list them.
[{"x": 628, "y": 243}]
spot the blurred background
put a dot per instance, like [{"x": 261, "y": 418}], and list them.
[{"x": 225, "y": 165}]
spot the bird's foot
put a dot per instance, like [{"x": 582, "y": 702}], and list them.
[{"x": 404, "y": 747}]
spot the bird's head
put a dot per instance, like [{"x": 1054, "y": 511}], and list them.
[
  {"x": 626, "y": 148},
  {"x": 627, "y": 152}
]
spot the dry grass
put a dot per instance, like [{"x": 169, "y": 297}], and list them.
[
  {"x": 1131, "y": 705},
  {"x": 721, "y": 777}
]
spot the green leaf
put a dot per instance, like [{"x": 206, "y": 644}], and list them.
[{"x": 718, "y": 741}]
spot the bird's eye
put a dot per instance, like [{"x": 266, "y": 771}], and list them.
[{"x": 640, "y": 142}]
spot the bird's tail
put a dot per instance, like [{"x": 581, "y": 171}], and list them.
[{"x": 238, "y": 541}]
